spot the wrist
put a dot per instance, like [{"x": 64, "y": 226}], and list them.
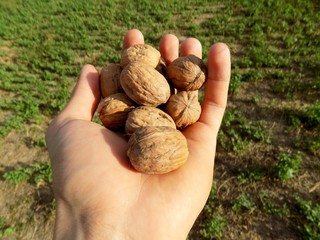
[{"x": 81, "y": 224}]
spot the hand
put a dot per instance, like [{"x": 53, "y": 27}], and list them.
[{"x": 99, "y": 195}]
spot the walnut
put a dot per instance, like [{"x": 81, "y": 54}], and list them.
[
  {"x": 184, "y": 108},
  {"x": 110, "y": 80},
  {"x": 187, "y": 73},
  {"x": 113, "y": 110},
  {"x": 162, "y": 67},
  {"x": 140, "y": 52},
  {"x": 147, "y": 116},
  {"x": 157, "y": 150},
  {"x": 144, "y": 85}
]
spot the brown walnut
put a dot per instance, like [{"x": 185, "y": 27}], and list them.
[
  {"x": 113, "y": 110},
  {"x": 147, "y": 116},
  {"x": 187, "y": 73},
  {"x": 144, "y": 85},
  {"x": 157, "y": 150},
  {"x": 162, "y": 67},
  {"x": 110, "y": 79},
  {"x": 184, "y": 108},
  {"x": 142, "y": 53}
]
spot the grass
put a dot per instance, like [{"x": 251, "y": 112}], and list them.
[
  {"x": 5, "y": 229},
  {"x": 37, "y": 173},
  {"x": 267, "y": 164},
  {"x": 213, "y": 228},
  {"x": 238, "y": 132},
  {"x": 255, "y": 173},
  {"x": 243, "y": 202},
  {"x": 287, "y": 166},
  {"x": 311, "y": 222}
]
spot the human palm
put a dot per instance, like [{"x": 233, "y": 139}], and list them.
[{"x": 99, "y": 195}]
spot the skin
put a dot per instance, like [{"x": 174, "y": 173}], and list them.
[{"x": 99, "y": 195}]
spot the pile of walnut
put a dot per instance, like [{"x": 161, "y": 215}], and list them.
[{"x": 150, "y": 101}]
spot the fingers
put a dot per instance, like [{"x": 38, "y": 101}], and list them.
[
  {"x": 169, "y": 48},
  {"x": 85, "y": 96},
  {"x": 191, "y": 46},
  {"x": 216, "y": 93},
  {"x": 132, "y": 37}
]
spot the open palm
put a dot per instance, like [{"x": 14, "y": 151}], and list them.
[{"x": 99, "y": 195}]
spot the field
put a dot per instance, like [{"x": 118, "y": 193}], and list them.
[{"x": 267, "y": 171}]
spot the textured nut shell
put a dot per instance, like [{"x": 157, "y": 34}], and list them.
[
  {"x": 140, "y": 52},
  {"x": 144, "y": 85},
  {"x": 157, "y": 150},
  {"x": 187, "y": 73},
  {"x": 110, "y": 80},
  {"x": 147, "y": 116},
  {"x": 113, "y": 110},
  {"x": 184, "y": 108},
  {"x": 162, "y": 67}
]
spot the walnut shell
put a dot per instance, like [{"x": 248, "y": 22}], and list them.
[
  {"x": 113, "y": 110},
  {"x": 144, "y": 85},
  {"x": 162, "y": 67},
  {"x": 147, "y": 116},
  {"x": 187, "y": 73},
  {"x": 157, "y": 150},
  {"x": 140, "y": 52},
  {"x": 184, "y": 108},
  {"x": 110, "y": 80}
]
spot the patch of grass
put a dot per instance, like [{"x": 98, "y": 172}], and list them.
[
  {"x": 308, "y": 118},
  {"x": 237, "y": 132},
  {"x": 270, "y": 207},
  {"x": 287, "y": 166},
  {"x": 5, "y": 229},
  {"x": 36, "y": 141},
  {"x": 213, "y": 228},
  {"x": 39, "y": 172},
  {"x": 309, "y": 143},
  {"x": 252, "y": 174},
  {"x": 311, "y": 218},
  {"x": 235, "y": 83},
  {"x": 243, "y": 202},
  {"x": 252, "y": 75}
]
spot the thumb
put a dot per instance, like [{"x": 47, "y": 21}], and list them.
[
  {"x": 216, "y": 93},
  {"x": 85, "y": 96}
]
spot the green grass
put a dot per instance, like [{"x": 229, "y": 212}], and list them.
[
  {"x": 36, "y": 173},
  {"x": 268, "y": 146},
  {"x": 243, "y": 202},
  {"x": 287, "y": 166},
  {"x": 311, "y": 221},
  {"x": 238, "y": 132},
  {"x": 269, "y": 206},
  {"x": 5, "y": 229},
  {"x": 213, "y": 228},
  {"x": 252, "y": 174}
]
